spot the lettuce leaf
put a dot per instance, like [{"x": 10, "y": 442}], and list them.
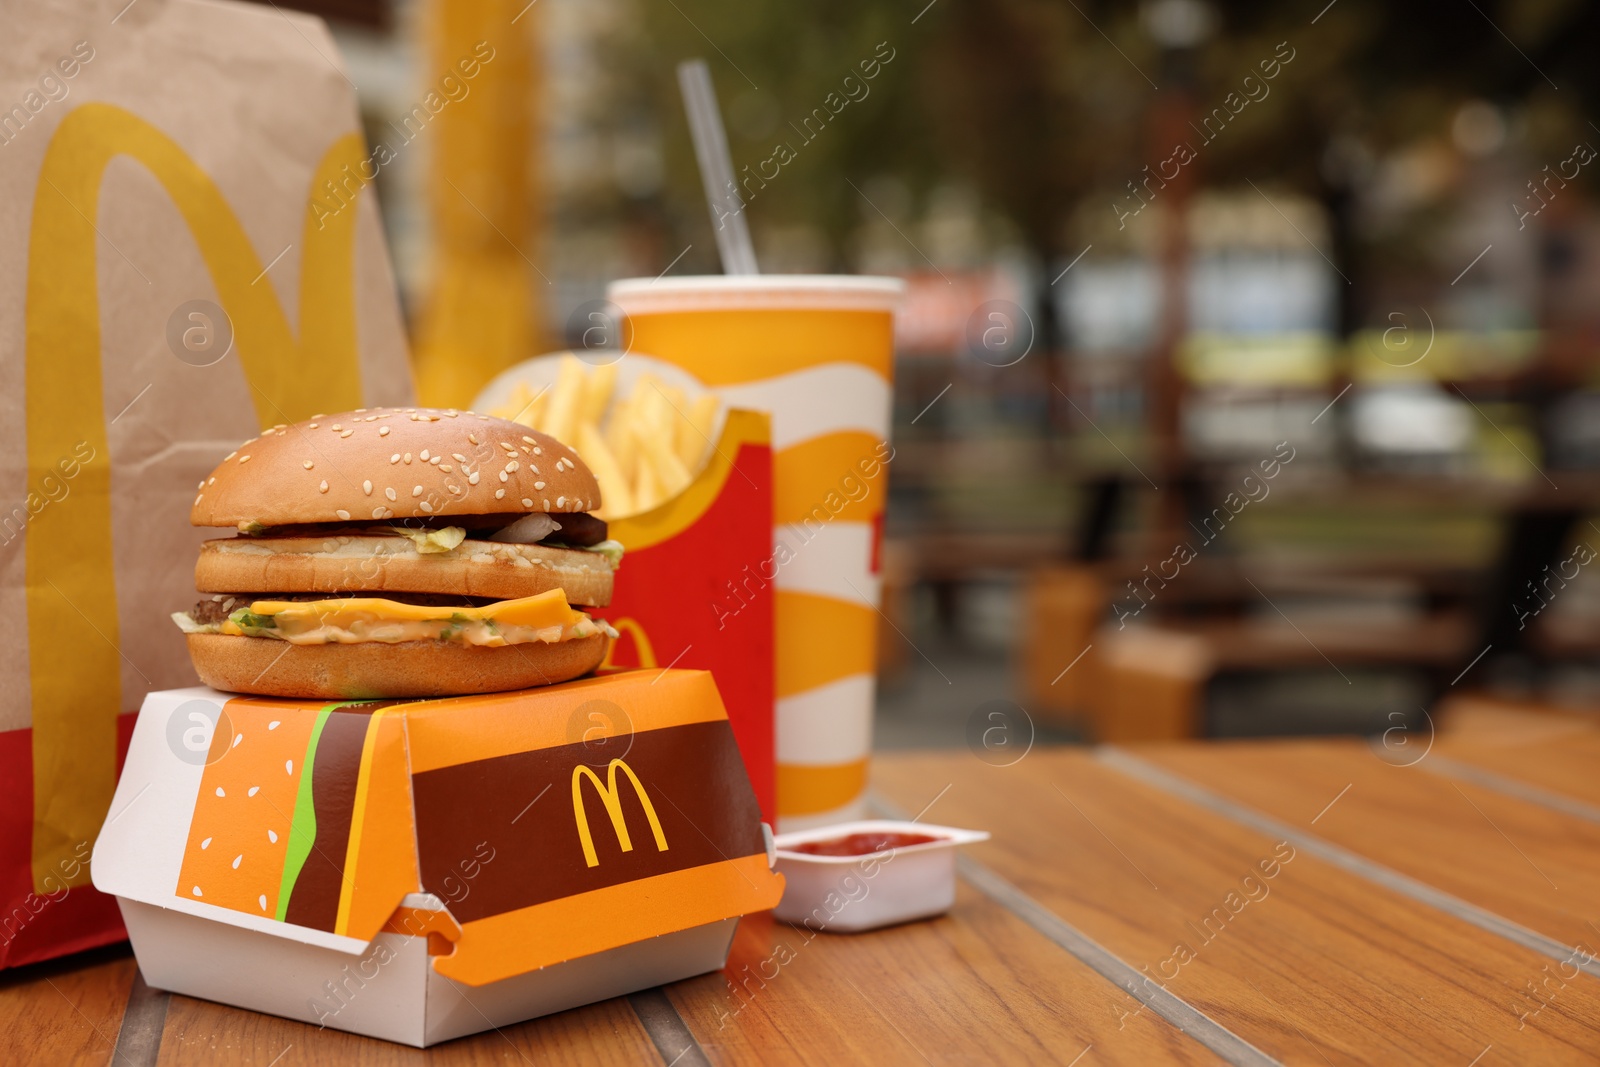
[{"x": 430, "y": 542}]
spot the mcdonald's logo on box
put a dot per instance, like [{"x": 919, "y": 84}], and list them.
[
  {"x": 308, "y": 835},
  {"x": 613, "y": 803}
]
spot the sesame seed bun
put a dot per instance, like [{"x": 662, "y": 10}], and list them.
[
  {"x": 387, "y": 464},
  {"x": 372, "y": 670},
  {"x": 362, "y": 563}
]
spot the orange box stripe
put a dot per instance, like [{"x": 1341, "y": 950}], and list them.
[
  {"x": 381, "y": 864},
  {"x": 464, "y": 729},
  {"x": 805, "y": 789},
  {"x": 516, "y": 942},
  {"x": 823, "y": 640},
  {"x": 816, "y": 478}
]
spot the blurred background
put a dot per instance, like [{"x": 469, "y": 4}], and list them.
[{"x": 1246, "y": 383}]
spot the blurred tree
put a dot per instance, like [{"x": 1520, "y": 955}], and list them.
[{"x": 1042, "y": 103}]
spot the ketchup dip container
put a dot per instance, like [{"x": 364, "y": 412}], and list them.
[{"x": 861, "y": 875}]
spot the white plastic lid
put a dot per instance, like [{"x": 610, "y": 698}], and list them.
[{"x": 720, "y": 292}]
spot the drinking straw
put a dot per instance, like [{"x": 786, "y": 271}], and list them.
[{"x": 716, "y": 168}]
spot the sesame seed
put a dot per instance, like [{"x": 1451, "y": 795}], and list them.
[
  {"x": 546, "y": 503},
  {"x": 424, "y": 456},
  {"x": 561, "y": 501},
  {"x": 244, "y": 459},
  {"x": 499, "y": 494},
  {"x": 323, "y": 488},
  {"x": 347, "y": 433},
  {"x": 307, "y": 464},
  {"x": 378, "y": 512},
  {"x": 319, "y": 415},
  {"x": 342, "y": 513},
  {"x": 202, "y": 484},
  {"x": 336, "y": 426},
  {"x": 458, "y": 457},
  {"x": 390, "y": 493},
  {"x": 472, "y": 437},
  {"x": 507, "y": 447},
  {"x": 504, "y": 477},
  {"x": 528, "y": 439},
  {"x": 366, "y": 487},
  {"x": 416, "y": 490},
  {"x": 446, "y": 467},
  {"x": 213, "y": 481},
  {"x": 313, "y": 426},
  {"x": 512, "y": 466},
  {"x": 427, "y": 505},
  {"x": 197, "y": 497},
  {"x": 528, "y": 503},
  {"x": 538, "y": 451},
  {"x": 454, "y": 489},
  {"x": 472, "y": 479},
  {"x": 395, "y": 458},
  {"x": 361, "y": 411},
  {"x": 435, "y": 460},
  {"x": 383, "y": 431},
  {"x": 538, "y": 485},
  {"x": 408, "y": 457},
  {"x": 229, "y": 456}
]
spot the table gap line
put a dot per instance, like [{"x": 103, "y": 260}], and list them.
[
  {"x": 1446, "y": 767},
  {"x": 1189, "y": 1020},
  {"x": 1336, "y": 855},
  {"x": 144, "y": 1020},
  {"x": 666, "y": 1028}
]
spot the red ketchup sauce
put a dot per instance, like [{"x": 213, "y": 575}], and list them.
[{"x": 861, "y": 844}]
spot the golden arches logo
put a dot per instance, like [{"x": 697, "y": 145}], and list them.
[
  {"x": 641, "y": 643},
  {"x": 613, "y": 803},
  {"x": 68, "y": 563}
]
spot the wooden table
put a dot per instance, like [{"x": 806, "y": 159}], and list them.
[{"x": 1304, "y": 902}]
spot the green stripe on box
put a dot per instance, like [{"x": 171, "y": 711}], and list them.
[{"x": 303, "y": 826}]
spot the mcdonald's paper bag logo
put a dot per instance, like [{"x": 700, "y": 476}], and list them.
[
  {"x": 613, "y": 804},
  {"x": 76, "y": 685}
]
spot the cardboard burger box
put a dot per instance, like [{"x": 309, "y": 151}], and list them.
[{"x": 423, "y": 870}]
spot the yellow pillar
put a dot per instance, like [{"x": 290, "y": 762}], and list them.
[{"x": 484, "y": 308}]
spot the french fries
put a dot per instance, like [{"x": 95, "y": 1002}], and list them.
[{"x": 643, "y": 448}]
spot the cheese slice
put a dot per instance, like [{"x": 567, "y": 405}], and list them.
[{"x": 535, "y": 612}]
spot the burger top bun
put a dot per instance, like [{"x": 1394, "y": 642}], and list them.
[{"x": 385, "y": 464}]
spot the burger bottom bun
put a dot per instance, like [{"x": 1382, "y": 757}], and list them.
[{"x": 373, "y": 670}]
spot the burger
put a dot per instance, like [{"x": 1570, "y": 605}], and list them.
[{"x": 399, "y": 552}]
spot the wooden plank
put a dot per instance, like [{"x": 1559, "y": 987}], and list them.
[
  {"x": 1570, "y": 765},
  {"x": 202, "y": 1034},
  {"x": 66, "y": 1011},
  {"x": 974, "y": 986},
  {"x": 1312, "y": 965},
  {"x": 1520, "y": 860}
]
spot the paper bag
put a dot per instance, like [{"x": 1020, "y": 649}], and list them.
[{"x": 188, "y": 255}]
